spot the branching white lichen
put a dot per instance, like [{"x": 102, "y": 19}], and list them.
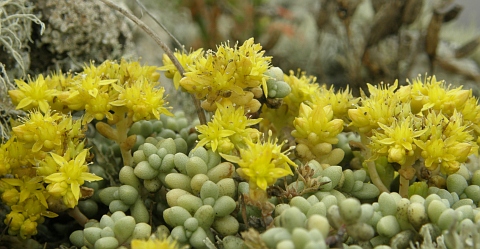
[
  {"x": 15, "y": 28},
  {"x": 15, "y": 32}
]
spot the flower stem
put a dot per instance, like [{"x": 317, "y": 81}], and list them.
[
  {"x": 404, "y": 184},
  {"x": 78, "y": 216},
  {"x": 406, "y": 172},
  {"x": 372, "y": 170},
  {"x": 122, "y": 129}
]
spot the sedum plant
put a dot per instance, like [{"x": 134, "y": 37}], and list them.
[{"x": 282, "y": 162}]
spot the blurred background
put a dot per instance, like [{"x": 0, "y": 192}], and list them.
[{"x": 341, "y": 42}]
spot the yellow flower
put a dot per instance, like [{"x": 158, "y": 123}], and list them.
[
  {"x": 86, "y": 90},
  {"x": 471, "y": 115},
  {"x": 396, "y": 141},
  {"x": 143, "y": 100},
  {"x": 35, "y": 94},
  {"x": 97, "y": 108},
  {"x": 125, "y": 72},
  {"x": 41, "y": 130},
  {"x": 227, "y": 70},
  {"x": 382, "y": 106},
  {"x": 28, "y": 229},
  {"x": 13, "y": 155},
  {"x": 186, "y": 60},
  {"x": 262, "y": 163},
  {"x": 234, "y": 119},
  {"x": 215, "y": 137},
  {"x": 228, "y": 129},
  {"x": 72, "y": 174},
  {"x": 154, "y": 244},
  {"x": 15, "y": 221},
  {"x": 29, "y": 187},
  {"x": 447, "y": 143},
  {"x": 433, "y": 94},
  {"x": 341, "y": 101},
  {"x": 23, "y": 219}
]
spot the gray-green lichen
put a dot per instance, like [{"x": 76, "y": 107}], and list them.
[
  {"x": 15, "y": 29},
  {"x": 77, "y": 32},
  {"x": 16, "y": 18}
]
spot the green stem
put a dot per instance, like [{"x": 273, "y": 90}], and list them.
[
  {"x": 122, "y": 127},
  {"x": 372, "y": 170},
  {"x": 405, "y": 182},
  {"x": 78, "y": 216}
]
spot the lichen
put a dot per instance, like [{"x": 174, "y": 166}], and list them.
[{"x": 77, "y": 32}]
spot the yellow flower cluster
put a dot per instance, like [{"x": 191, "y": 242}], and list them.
[
  {"x": 43, "y": 165},
  {"x": 305, "y": 90},
  {"x": 315, "y": 131},
  {"x": 228, "y": 131},
  {"x": 382, "y": 106},
  {"x": 32, "y": 156},
  {"x": 425, "y": 120},
  {"x": 229, "y": 74},
  {"x": 110, "y": 89}
]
